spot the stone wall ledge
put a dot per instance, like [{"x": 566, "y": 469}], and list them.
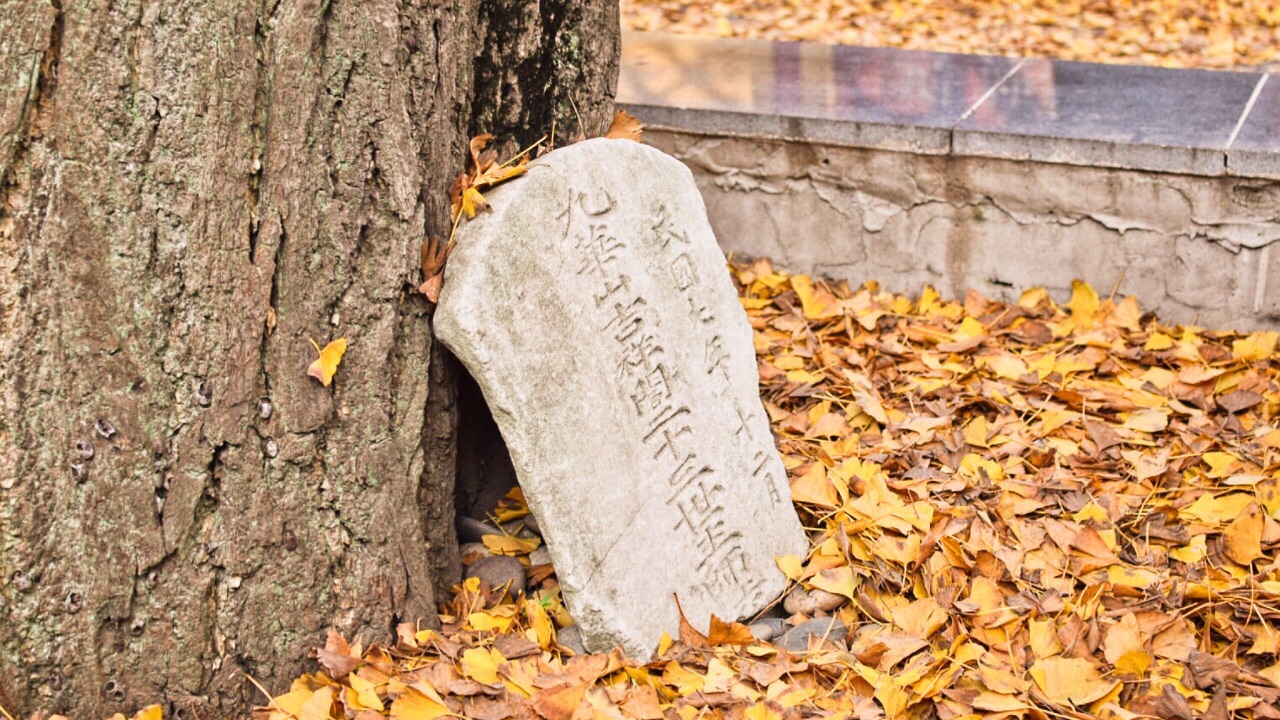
[{"x": 1191, "y": 122}]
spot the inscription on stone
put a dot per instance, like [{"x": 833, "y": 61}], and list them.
[{"x": 595, "y": 311}]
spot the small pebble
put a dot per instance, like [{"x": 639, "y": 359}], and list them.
[
  {"x": 811, "y": 601},
  {"x": 519, "y": 528},
  {"x": 472, "y": 552},
  {"x": 540, "y": 556},
  {"x": 531, "y": 522},
  {"x": 766, "y": 629},
  {"x": 471, "y": 530},
  {"x": 570, "y": 638},
  {"x": 497, "y": 571},
  {"x": 797, "y": 638}
]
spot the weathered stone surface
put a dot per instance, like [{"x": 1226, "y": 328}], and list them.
[
  {"x": 594, "y": 310},
  {"x": 1195, "y": 249}
]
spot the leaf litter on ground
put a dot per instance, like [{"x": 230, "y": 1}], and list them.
[
  {"x": 1239, "y": 34},
  {"x": 1020, "y": 510}
]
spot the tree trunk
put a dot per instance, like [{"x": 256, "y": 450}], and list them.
[{"x": 189, "y": 192}]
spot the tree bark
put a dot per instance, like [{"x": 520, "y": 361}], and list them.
[{"x": 189, "y": 192}]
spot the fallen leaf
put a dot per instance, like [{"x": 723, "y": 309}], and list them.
[
  {"x": 418, "y": 702},
  {"x": 1083, "y": 304},
  {"x": 319, "y": 706},
  {"x": 337, "y": 657},
  {"x": 624, "y": 127},
  {"x": 688, "y": 634},
  {"x": 559, "y": 703},
  {"x": 1243, "y": 537},
  {"x": 481, "y": 665},
  {"x": 150, "y": 712},
  {"x": 1072, "y": 681},
  {"x": 728, "y": 633},
  {"x": 326, "y": 364},
  {"x": 509, "y": 544}
]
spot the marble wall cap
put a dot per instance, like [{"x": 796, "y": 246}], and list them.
[
  {"x": 1199, "y": 122},
  {"x": 1255, "y": 150}
]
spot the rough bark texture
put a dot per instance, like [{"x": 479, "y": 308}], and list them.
[{"x": 188, "y": 192}]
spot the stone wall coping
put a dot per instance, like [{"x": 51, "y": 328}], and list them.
[{"x": 1196, "y": 122}]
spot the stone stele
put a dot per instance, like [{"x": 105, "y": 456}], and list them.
[{"x": 595, "y": 310}]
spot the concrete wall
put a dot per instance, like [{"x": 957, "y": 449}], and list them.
[{"x": 1194, "y": 249}]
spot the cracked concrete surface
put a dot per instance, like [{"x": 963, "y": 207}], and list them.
[{"x": 1194, "y": 249}]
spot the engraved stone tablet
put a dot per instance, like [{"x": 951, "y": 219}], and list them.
[{"x": 595, "y": 311}]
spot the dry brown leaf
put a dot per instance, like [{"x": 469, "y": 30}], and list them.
[
  {"x": 337, "y": 657},
  {"x": 1243, "y": 537},
  {"x": 624, "y": 127},
  {"x": 559, "y": 703},
  {"x": 728, "y": 633},
  {"x": 1070, "y": 681}
]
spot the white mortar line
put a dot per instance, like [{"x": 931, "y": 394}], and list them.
[
  {"x": 1260, "y": 290},
  {"x": 1257, "y": 90},
  {"x": 990, "y": 91}
]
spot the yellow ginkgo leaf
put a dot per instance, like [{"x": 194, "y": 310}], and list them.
[
  {"x": 837, "y": 581},
  {"x": 1152, "y": 420},
  {"x": 473, "y": 202},
  {"x": 791, "y": 566},
  {"x": 1258, "y": 346},
  {"x": 664, "y": 643},
  {"x": 1083, "y": 304},
  {"x": 418, "y": 702},
  {"x": 540, "y": 623},
  {"x": 290, "y": 703},
  {"x": 684, "y": 681},
  {"x": 150, "y": 712},
  {"x": 761, "y": 711},
  {"x": 319, "y": 706},
  {"x": 816, "y": 301},
  {"x": 1070, "y": 680},
  {"x": 509, "y": 545},
  {"x": 326, "y": 365},
  {"x": 481, "y": 664},
  {"x": 1135, "y": 663},
  {"x": 922, "y": 618},
  {"x": 487, "y": 621},
  {"x": 362, "y": 695},
  {"x": 1243, "y": 537},
  {"x": 813, "y": 487}
]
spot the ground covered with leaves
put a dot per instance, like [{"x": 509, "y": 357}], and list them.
[
  {"x": 1025, "y": 510},
  {"x": 1172, "y": 33}
]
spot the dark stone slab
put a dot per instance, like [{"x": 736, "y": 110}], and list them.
[
  {"x": 1256, "y": 150},
  {"x": 864, "y": 97},
  {"x": 1110, "y": 115}
]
